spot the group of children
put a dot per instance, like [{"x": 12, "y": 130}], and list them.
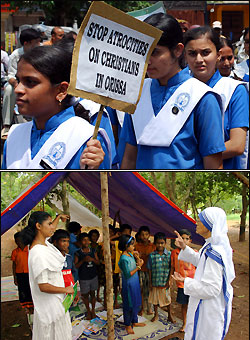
[{"x": 84, "y": 261}]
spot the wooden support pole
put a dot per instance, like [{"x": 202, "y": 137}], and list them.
[{"x": 107, "y": 254}]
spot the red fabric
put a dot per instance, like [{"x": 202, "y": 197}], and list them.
[
  {"x": 144, "y": 251},
  {"x": 20, "y": 257},
  {"x": 68, "y": 277},
  {"x": 186, "y": 269}
]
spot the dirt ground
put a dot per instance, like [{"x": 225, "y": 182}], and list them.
[{"x": 11, "y": 312}]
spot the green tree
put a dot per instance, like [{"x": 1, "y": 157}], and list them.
[{"x": 64, "y": 12}]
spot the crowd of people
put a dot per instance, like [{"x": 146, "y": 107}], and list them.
[
  {"x": 49, "y": 261},
  {"x": 193, "y": 112}
]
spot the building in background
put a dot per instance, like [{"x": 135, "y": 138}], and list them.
[{"x": 234, "y": 16}]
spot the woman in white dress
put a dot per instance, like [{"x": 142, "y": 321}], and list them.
[
  {"x": 210, "y": 291},
  {"x": 46, "y": 280}
]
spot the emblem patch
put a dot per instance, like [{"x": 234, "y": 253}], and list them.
[
  {"x": 56, "y": 153},
  {"x": 181, "y": 102}
]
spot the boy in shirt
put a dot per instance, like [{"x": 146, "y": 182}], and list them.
[
  {"x": 86, "y": 261},
  {"x": 186, "y": 270},
  {"x": 144, "y": 248},
  {"x": 19, "y": 256}
]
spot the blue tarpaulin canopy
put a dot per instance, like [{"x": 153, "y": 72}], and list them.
[{"x": 139, "y": 202}]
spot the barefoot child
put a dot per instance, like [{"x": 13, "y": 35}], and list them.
[
  {"x": 131, "y": 293},
  {"x": 159, "y": 265},
  {"x": 86, "y": 261},
  {"x": 144, "y": 248},
  {"x": 185, "y": 269}
]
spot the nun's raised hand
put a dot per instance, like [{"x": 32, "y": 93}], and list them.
[{"x": 179, "y": 241}]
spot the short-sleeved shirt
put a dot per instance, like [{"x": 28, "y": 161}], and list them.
[
  {"x": 160, "y": 265},
  {"x": 186, "y": 269},
  {"x": 88, "y": 270},
  {"x": 200, "y": 136},
  {"x": 236, "y": 116},
  {"x": 144, "y": 251},
  {"x": 20, "y": 257},
  {"x": 39, "y": 137}
]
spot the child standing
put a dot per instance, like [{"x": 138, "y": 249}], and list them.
[
  {"x": 20, "y": 269},
  {"x": 60, "y": 240},
  {"x": 185, "y": 269},
  {"x": 211, "y": 292},
  {"x": 86, "y": 261},
  {"x": 144, "y": 248},
  {"x": 159, "y": 265},
  {"x": 131, "y": 293}
]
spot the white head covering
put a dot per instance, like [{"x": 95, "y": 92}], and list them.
[{"x": 216, "y": 221}]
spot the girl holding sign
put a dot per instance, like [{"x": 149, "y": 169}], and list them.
[
  {"x": 47, "y": 286},
  {"x": 202, "y": 47},
  {"x": 177, "y": 123},
  {"x": 56, "y": 138}
]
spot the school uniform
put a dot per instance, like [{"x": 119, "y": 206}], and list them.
[
  {"x": 175, "y": 141},
  {"x": 235, "y": 110},
  {"x": 25, "y": 142},
  {"x": 117, "y": 119}
]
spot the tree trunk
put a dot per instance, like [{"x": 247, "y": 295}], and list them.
[
  {"x": 241, "y": 177},
  {"x": 169, "y": 186},
  {"x": 107, "y": 254},
  {"x": 154, "y": 180},
  {"x": 243, "y": 213}
]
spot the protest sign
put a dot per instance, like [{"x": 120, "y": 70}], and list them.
[
  {"x": 110, "y": 57},
  {"x": 142, "y": 14}
]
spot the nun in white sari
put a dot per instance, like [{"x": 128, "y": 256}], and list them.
[{"x": 210, "y": 291}]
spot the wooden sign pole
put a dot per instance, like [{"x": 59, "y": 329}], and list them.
[
  {"x": 107, "y": 254},
  {"x": 97, "y": 124}
]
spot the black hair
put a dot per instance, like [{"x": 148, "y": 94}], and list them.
[
  {"x": 246, "y": 30},
  {"x": 123, "y": 242},
  {"x": 125, "y": 226},
  {"x": 51, "y": 61},
  {"x": 172, "y": 32},
  {"x": 73, "y": 227},
  {"x": 54, "y": 62},
  {"x": 226, "y": 42},
  {"x": 185, "y": 231},
  {"x": 93, "y": 231},
  {"x": 29, "y": 34},
  {"x": 58, "y": 234},
  {"x": 144, "y": 228},
  {"x": 82, "y": 236},
  {"x": 17, "y": 235},
  {"x": 137, "y": 237},
  {"x": 198, "y": 32},
  {"x": 29, "y": 233},
  {"x": 159, "y": 236},
  {"x": 69, "y": 35}
]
